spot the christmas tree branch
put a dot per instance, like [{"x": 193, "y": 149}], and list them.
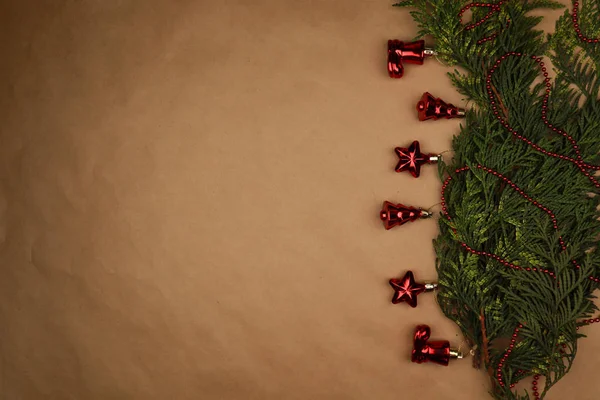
[{"x": 517, "y": 241}]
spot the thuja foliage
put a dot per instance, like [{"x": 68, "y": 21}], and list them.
[{"x": 484, "y": 297}]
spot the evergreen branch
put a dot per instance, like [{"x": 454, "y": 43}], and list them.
[
  {"x": 405, "y": 3},
  {"x": 480, "y": 294}
]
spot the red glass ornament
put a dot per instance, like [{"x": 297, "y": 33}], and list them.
[
  {"x": 411, "y": 159},
  {"x": 400, "y": 52},
  {"x": 407, "y": 290},
  {"x": 438, "y": 352},
  {"x": 430, "y": 107},
  {"x": 398, "y": 214}
]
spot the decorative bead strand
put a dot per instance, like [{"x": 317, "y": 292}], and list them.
[
  {"x": 582, "y": 166},
  {"x": 573, "y": 142},
  {"x": 575, "y": 18},
  {"x": 588, "y": 322},
  {"x": 545, "y": 118},
  {"x": 534, "y": 386},
  {"x": 529, "y": 199},
  {"x": 517, "y": 377},
  {"x": 524, "y": 195},
  {"x": 495, "y": 8},
  {"x": 506, "y": 354}
]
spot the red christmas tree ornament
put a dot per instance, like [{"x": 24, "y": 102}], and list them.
[
  {"x": 411, "y": 159},
  {"x": 430, "y": 107},
  {"x": 407, "y": 290},
  {"x": 438, "y": 352},
  {"x": 398, "y": 214},
  {"x": 401, "y": 52}
]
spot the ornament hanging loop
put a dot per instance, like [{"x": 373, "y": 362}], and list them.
[
  {"x": 426, "y": 214},
  {"x": 456, "y": 354}
]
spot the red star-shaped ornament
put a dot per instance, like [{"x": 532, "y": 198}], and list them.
[
  {"x": 411, "y": 159},
  {"x": 406, "y": 289}
]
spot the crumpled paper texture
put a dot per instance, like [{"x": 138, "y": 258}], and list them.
[{"x": 189, "y": 197}]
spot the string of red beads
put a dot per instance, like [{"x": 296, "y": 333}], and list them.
[
  {"x": 571, "y": 140},
  {"x": 582, "y": 166},
  {"x": 552, "y": 216},
  {"x": 494, "y": 8},
  {"x": 524, "y": 195},
  {"x": 507, "y": 354},
  {"x": 588, "y": 322},
  {"x": 534, "y": 386},
  {"x": 517, "y": 377},
  {"x": 529, "y": 199},
  {"x": 575, "y": 18}
]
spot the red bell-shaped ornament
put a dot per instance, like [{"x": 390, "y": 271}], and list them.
[
  {"x": 399, "y": 214},
  {"x": 401, "y": 52},
  {"x": 438, "y": 352},
  {"x": 430, "y": 107},
  {"x": 411, "y": 159},
  {"x": 407, "y": 290}
]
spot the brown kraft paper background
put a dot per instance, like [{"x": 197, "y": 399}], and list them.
[{"x": 189, "y": 204}]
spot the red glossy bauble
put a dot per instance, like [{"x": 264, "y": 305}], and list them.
[
  {"x": 411, "y": 159},
  {"x": 407, "y": 290},
  {"x": 438, "y": 352},
  {"x": 430, "y": 107},
  {"x": 399, "y": 214},
  {"x": 405, "y": 52}
]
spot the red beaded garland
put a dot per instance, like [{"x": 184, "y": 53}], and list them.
[
  {"x": 582, "y": 166},
  {"x": 525, "y": 196},
  {"x": 588, "y": 322},
  {"x": 507, "y": 354},
  {"x": 509, "y": 264},
  {"x": 580, "y": 35},
  {"x": 534, "y": 387},
  {"x": 494, "y": 8}
]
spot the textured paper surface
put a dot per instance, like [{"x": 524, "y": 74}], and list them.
[{"x": 189, "y": 199}]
